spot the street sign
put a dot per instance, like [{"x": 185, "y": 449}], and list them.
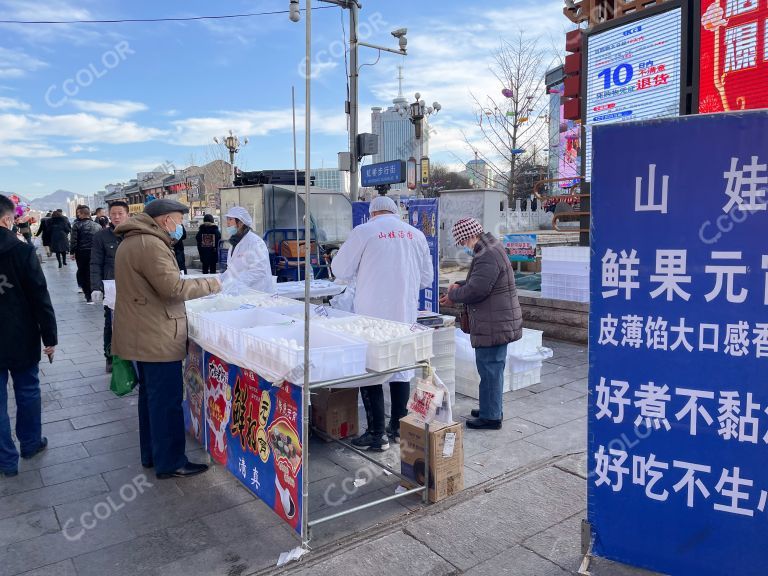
[
  {"x": 383, "y": 173},
  {"x": 425, "y": 171},
  {"x": 411, "y": 176},
  {"x": 679, "y": 345}
]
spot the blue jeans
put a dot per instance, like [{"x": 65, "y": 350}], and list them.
[
  {"x": 161, "y": 418},
  {"x": 490, "y": 364},
  {"x": 26, "y": 387}
]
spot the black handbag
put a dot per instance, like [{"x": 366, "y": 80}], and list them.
[{"x": 464, "y": 320}]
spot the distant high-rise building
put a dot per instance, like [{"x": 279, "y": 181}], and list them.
[
  {"x": 480, "y": 174},
  {"x": 331, "y": 179},
  {"x": 397, "y": 137}
]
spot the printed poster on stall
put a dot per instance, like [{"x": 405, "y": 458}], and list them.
[
  {"x": 678, "y": 411},
  {"x": 423, "y": 215},
  {"x": 521, "y": 247},
  {"x": 733, "y": 63},
  {"x": 249, "y": 426}
]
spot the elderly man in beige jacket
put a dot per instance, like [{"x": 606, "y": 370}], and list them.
[{"x": 150, "y": 328}]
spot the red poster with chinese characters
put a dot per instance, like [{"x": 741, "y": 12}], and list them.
[
  {"x": 218, "y": 401},
  {"x": 733, "y": 69}
]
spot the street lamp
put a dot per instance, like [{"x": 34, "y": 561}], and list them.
[
  {"x": 416, "y": 112},
  {"x": 231, "y": 143}
]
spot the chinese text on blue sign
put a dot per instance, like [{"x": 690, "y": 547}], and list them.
[
  {"x": 521, "y": 247},
  {"x": 678, "y": 422},
  {"x": 383, "y": 173}
]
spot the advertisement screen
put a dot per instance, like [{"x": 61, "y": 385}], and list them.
[
  {"x": 634, "y": 73},
  {"x": 569, "y": 151},
  {"x": 733, "y": 68}
]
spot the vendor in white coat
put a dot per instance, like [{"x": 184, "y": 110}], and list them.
[
  {"x": 390, "y": 261},
  {"x": 248, "y": 261}
]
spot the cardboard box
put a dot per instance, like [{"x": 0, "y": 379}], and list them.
[
  {"x": 334, "y": 412},
  {"x": 446, "y": 463},
  {"x": 293, "y": 249}
]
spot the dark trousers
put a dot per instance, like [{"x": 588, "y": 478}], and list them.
[
  {"x": 373, "y": 401},
  {"x": 181, "y": 260},
  {"x": 61, "y": 258},
  {"x": 26, "y": 388},
  {"x": 161, "y": 419},
  {"x": 107, "y": 332},
  {"x": 208, "y": 259},
  {"x": 83, "y": 259}
]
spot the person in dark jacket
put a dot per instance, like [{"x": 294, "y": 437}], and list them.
[
  {"x": 26, "y": 318},
  {"x": 208, "y": 238},
  {"x": 178, "y": 250},
  {"x": 59, "y": 229},
  {"x": 103, "y": 253},
  {"x": 83, "y": 232},
  {"x": 495, "y": 317},
  {"x": 44, "y": 230},
  {"x": 100, "y": 218}
]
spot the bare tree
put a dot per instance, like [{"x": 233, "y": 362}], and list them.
[
  {"x": 443, "y": 178},
  {"x": 513, "y": 124}
]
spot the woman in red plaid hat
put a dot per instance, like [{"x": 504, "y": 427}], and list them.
[{"x": 495, "y": 318}]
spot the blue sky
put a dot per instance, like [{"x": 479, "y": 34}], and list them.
[{"x": 85, "y": 105}]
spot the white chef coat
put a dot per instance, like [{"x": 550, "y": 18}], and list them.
[
  {"x": 390, "y": 261},
  {"x": 248, "y": 265}
]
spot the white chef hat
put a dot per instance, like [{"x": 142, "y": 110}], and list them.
[
  {"x": 384, "y": 204},
  {"x": 241, "y": 214}
]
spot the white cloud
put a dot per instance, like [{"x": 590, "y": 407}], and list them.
[
  {"x": 15, "y": 63},
  {"x": 29, "y": 150},
  {"x": 78, "y": 128},
  {"x": 116, "y": 109},
  {"x": 253, "y": 123},
  {"x": 49, "y": 10},
  {"x": 12, "y": 104},
  {"x": 77, "y": 148},
  {"x": 81, "y": 164},
  {"x": 8, "y": 162}
]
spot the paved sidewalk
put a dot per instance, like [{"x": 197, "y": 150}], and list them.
[{"x": 520, "y": 514}]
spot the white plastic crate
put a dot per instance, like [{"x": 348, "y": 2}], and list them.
[
  {"x": 565, "y": 253},
  {"x": 570, "y": 268},
  {"x": 315, "y": 312},
  {"x": 223, "y": 330},
  {"x": 443, "y": 363},
  {"x": 332, "y": 355},
  {"x": 520, "y": 380},
  {"x": 406, "y": 350},
  {"x": 565, "y": 281},
  {"x": 565, "y": 294},
  {"x": 443, "y": 348}
]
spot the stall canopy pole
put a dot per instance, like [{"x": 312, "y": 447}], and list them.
[
  {"x": 305, "y": 390},
  {"x": 295, "y": 173}
]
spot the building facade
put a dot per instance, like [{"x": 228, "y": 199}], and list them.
[
  {"x": 331, "y": 179},
  {"x": 480, "y": 174}
]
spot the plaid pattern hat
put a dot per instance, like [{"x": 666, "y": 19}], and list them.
[{"x": 466, "y": 228}]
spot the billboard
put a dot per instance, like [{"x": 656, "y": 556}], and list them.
[
  {"x": 733, "y": 55},
  {"x": 633, "y": 71},
  {"x": 521, "y": 247},
  {"x": 678, "y": 345},
  {"x": 569, "y": 150}
]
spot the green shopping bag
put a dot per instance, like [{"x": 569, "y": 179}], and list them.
[{"x": 124, "y": 378}]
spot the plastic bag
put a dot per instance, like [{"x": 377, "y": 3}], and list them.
[
  {"x": 124, "y": 377},
  {"x": 346, "y": 300},
  {"x": 426, "y": 398}
]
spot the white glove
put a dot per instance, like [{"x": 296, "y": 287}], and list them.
[{"x": 97, "y": 297}]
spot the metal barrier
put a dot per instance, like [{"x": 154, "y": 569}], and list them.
[{"x": 564, "y": 216}]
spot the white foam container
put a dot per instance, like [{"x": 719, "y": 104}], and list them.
[
  {"x": 331, "y": 355},
  {"x": 315, "y": 312},
  {"x": 565, "y": 253},
  {"x": 396, "y": 353}
]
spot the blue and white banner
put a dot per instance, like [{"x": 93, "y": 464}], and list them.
[
  {"x": 678, "y": 412},
  {"x": 423, "y": 213}
]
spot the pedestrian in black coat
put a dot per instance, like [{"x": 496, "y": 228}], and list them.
[
  {"x": 80, "y": 247},
  {"x": 178, "y": 250},
  {"x": 44, "y": 230},
  {"x": 59, "y": 229},
  {"x": 26, "y": 319},
  {"x": 208, "y": 238}
]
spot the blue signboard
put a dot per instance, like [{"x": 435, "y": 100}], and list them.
[
  {"x": 423, "y": 214},
  {"x": 678, "y": 411},
  {"x": 383, "y": 173},
  {"x": 521, "y": 247},
  {"x": 360, "y": 213}
]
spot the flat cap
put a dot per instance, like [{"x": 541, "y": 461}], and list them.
[{"x": 164, "y": 206}]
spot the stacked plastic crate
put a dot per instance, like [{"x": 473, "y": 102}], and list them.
[
  {"x": 523, "y": 367},
  {"x": 444, "y": 350},
  {"x": 565, "y": 273}
]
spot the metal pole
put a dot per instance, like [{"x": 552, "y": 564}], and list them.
[
  {"x": 368, "y": 505},
  {"x": 295, "y": 173},
  {"x": 232, "y": 166},
  {"x": 305, "y": 392},
  {"x": 353, "y": 101}
]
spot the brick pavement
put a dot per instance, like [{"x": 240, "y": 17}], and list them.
[{"x": 521, "y": 510}]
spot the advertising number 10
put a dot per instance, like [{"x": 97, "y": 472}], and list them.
[{"x": 619, "y": 76}]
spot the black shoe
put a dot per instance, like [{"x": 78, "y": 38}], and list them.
[
  {"x": 393, "y": 435},
  {"x": 109, "y": 365},
  {"x": 189, "y": 469},
  {"x": 43, "y": 445},
  {"x": 148, "y": 466},
  {"x": 370, "y": 442},
  {"x": 9, "y": 473},
  {"x": 475, "y": 413},
  {"x": 483, "y": 424}
]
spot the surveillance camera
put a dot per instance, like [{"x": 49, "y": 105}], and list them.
[
  {"x": 403, "y": 43},
  {"x": 400, "y": 32}
]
